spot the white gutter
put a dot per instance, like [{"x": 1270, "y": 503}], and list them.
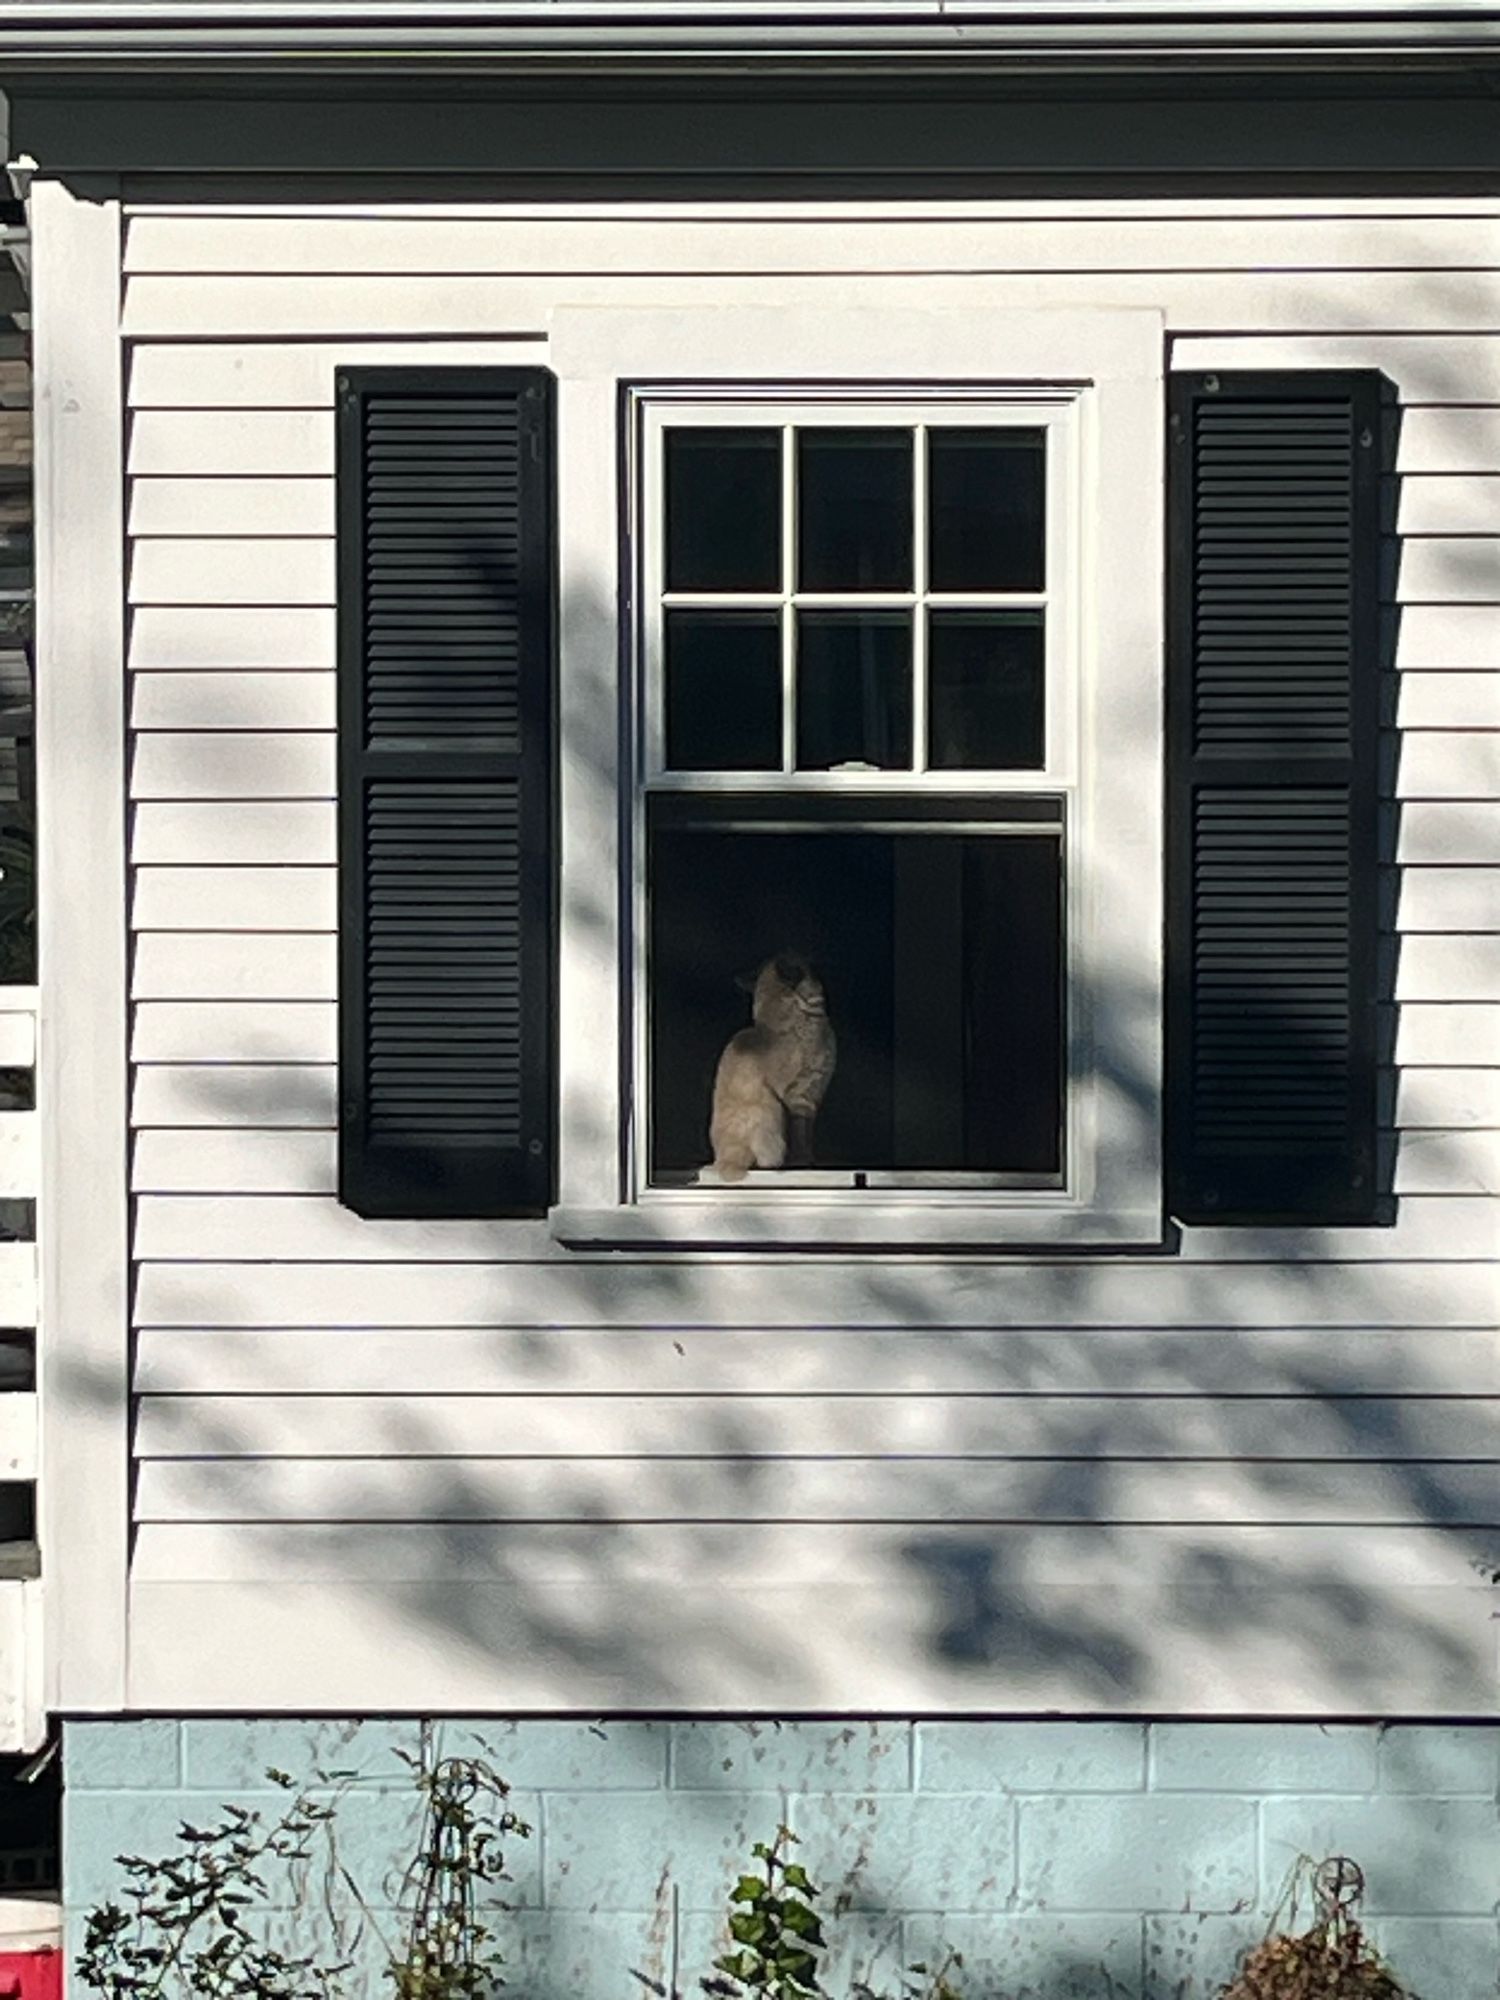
[{"x": 385, "y": 35}]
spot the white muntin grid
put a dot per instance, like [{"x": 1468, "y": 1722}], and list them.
[{"x": 918, "y": 414}]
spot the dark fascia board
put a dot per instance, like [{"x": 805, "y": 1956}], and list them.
[{"x": 61, "y": 38}]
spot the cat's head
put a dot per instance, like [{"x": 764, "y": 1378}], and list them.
[{"x": 786, "y": 984}]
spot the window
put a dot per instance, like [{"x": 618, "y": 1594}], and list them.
[
  {"x": 854, "y": 675},
  {"x": 855, "y": 679},
  {"x": 859, "y": 695}
]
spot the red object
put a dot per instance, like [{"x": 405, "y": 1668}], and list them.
[{"x": 31, "y": 1975}]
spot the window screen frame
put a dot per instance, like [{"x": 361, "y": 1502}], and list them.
[{"x": 1106, "y": 368}]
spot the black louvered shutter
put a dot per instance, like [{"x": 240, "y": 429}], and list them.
[
  {"x": 1273, "y": 711},
  {"x": 445, "y": 817}
]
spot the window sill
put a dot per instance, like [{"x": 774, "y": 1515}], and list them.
[{"x": 747, "y": 1222}]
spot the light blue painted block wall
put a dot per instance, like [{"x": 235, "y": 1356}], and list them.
[{"x": 1066, "y": 1861}]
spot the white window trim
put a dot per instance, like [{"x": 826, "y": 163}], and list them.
[{"x": 1111, "y": 363}]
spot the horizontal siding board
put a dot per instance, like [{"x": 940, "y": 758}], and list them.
[
  {"x": 217, "y": 764},
  {"x": 856, "y": 1292},
  {"x": 1289, "y": 1359},
  {"x": 1448, "y": 635},
  {"x": 779, "y": 1490},
  {"x": 1448, "y": 1163},
  {"x": 267, "y": 1096},
  {"x": 1448, "y": 899},
  {"x": 200, "y": 965},
  {"x": 1448, "y": 968},
  {"x": 18, "y": 1285},
  {"x": 193, "y": 505},
  {"x": 280, "y": 442},
  {"x": 1438, "y": 832},
  {"x": 235, "y": 899},
  {"x": 1449, "y": 763},
  {"x": 193, "y": 1162},
  {"x": 1443, "y": 439},
  {"x": 234, "y": 831},
  {"x": 1448, "y": 504},
  {"x": 917, "y": 1428},
  {"x": 232, "y": 700},
  {"x": 312, "y": 1230},
  {"x": 239, "y": 305},
  {"x": 333, "y": 1644},
  {"x": 1448, "y": 700},
  {"x": 1448, "y": 1100},
  {"x": 236, "y": 570},
  {"x": 170, "y": 636},
  {"x": 1434, "y": 1032},
  {"x": 826, "y": 1556},
  {"x": 1449, "y": 569},
  {"x": 1426, "y": 368},
  {"x": 235, "y": 1030},
  {"x": 294, "y": 375}
]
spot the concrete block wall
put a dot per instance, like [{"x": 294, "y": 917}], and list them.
[{"x": 1065, "y": 1860}]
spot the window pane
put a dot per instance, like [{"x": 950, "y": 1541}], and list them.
[
  {"x": 987, "y": 509},
  {"x": 723, "y": 509},
  {"x": 986, "y": 706},
  {"x": 853, "y": 689},
  {"x": 854, "y": 510},
  {"x": 723, "y": 691},
  {"x": 940, "y": 957}
]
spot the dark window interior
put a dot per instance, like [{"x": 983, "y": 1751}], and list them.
[{"x": 939, "y": 947}]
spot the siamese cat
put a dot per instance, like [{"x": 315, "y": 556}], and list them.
[{"x": 773, "y": 1075}]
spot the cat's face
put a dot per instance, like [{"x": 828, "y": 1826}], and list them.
[{"x": 788, "y": 983}]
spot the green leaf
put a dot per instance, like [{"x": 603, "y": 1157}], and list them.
[
  {"x": 748, "y": 1889},
  {"x": 796, "y": 1878},
  {"x": 747, "y": 1927}
]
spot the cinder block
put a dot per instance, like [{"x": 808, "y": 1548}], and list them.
[
  {"x": 565, "y": 1756},
  {"x": 1137, "y": 1853},
  {"x": 1436, "y": 1759},
  {"x": 860, "y": 1948},
  {"x": 900, "y": 1853},
  {"x": 1454, "y": 1958},
  {"x": 625, "y": 1852},
  {"x": 1194, "y": 1957},
  {"x": 569, "y": 1952},
  {"x": 1030, "y": 1756},
  {"x": 121, "y": 1756},
  {"x": 235, "y": 1755},
  {"x": 792, "y": 1756},
  {"x": 1420, "y": 1857},
  {"x": 1061, "y": 1958},
  {"x": 375, "y": 1835},
  {"x": 1262, "y": 1757}
]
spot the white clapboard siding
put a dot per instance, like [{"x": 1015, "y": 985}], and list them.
[
  {"x": 1448, "y": 700},
  {"x": 240, "y": 899},
  {"x": 238, "y": 306},
  {"x": 1304, "y": 1640},
  {"x": 272, "y": 1095},
  {"x": 1285, "y": 1360},
  {"x": 272, "y": 1162},
  {"x": 300, "y": 1229},
  {"x": 1438, "y": 832},
  {"x": 1449, "y": 763},
  {"x": 1448, "y": 899},
  {"x": 307, "y": 1031},
  {"x": 219, "y": 764},
  {"x": 376, "y": 245},
  {"x": 1451, "y": 1032},
  {"x": 279, "y": 442},
  {"x": 18, "y": 1434},
  {"x": 208, "y": 965},
  {"x": 1448, "y": 569},
  {"x": 281, "y": 636},
  {"x": 250, "y": 506},
  {"x": 263, "y": 830},
  {"x": 878, "y": 1488},
  {"x": 915, "y": 1427},
  {"x": 1447, "y": 968},
  {"x": 237, "y": 700},
  {"x": 312, "y": 1385},
  {"x": 18, "y": 1284},
  {"x": 275, "y": 570},
  {"x": 850, "y": 1291},
  {"x": 20, "y": 1155}
]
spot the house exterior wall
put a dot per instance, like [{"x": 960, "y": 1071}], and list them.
[
  {"x": 422, "y": 1466},
  {"x": 1064, "y": 1859}
]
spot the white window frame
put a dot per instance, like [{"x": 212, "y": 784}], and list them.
[{"x": 1104, "y": 370}]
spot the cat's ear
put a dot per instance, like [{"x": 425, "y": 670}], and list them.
[{"x": 791, "y": 969}]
